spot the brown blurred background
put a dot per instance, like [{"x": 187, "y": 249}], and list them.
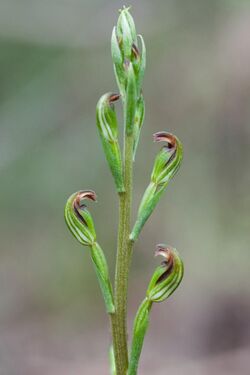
[{"x": 54, "y": 65}]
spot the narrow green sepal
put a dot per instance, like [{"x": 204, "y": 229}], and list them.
[
  {"x": 131, "y": 99},
  {"x": 142, "y": 65},
  {"x": 167, "y": 276},
  {"x": 102, "y": 273},
  {"x": 140, "y": 327},
  {"x": 108, "y": 130},
  {"x": 138, "y": 122},
  {"x": 166, "y": 165},
  {"x": 78, "y": 218},
  {"x": 118, "y": 62}
]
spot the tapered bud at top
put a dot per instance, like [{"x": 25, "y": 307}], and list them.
[
  {"x": 125, "y": 50},
  {"x": 78, "y": 218},
  {"x": 126, "y": 32},
  {"x": 108, "y": 130},
  {"x": 168, "y": 159},
  {"x": 167, "y": 276}
]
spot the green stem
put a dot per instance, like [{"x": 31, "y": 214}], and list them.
[{"x": 124, "y": 252}]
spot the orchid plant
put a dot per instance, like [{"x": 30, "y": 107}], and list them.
[{"x": 129, "y": 61}]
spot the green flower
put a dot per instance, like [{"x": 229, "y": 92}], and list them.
[
  {"x": 167, "y": 163},
  {"x": 78, "y": 218},
  {"x": 167, "y": 276}
]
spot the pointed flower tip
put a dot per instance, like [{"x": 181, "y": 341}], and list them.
[
  {"x": 167, "y": 276},
  {"x": 114, "y": 97},
  {"x": 163, "y": 136},
  {"x": 165, "y": 251},
  {"x": 125, "y": 8},
  {"x": 85, "y": 194}
]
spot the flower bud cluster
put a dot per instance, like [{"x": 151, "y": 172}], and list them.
[{"x": 129, "y": 61}]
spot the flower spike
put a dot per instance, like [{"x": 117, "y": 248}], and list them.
[
  {"x": 128, "y": 53},
  {"x": 164, "y": 282},
  {"x": 167, "y": 163},
  {"x": 81, "y": 225},
  {"x": 108, "y": 130}
]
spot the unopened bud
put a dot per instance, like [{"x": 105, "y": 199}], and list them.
[
  {"x": 125, "y": 50},
  {"x": 126, "y": 32},
  {"x": 108, "y": 130}
]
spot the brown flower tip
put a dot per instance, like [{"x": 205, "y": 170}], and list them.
[
  {"x": 78, "y": 202},
  {"x": 166, "y": 252},
  {"x": 168, "y": 263},
  {"x": 84, "y": 194},
  {"x": 165, "y": 137},
  {"x": 135, "y": 51},
  {"x": 113, "y": 98}
]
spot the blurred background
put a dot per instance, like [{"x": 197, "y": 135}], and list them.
[{"x": 54, "y": 65}]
